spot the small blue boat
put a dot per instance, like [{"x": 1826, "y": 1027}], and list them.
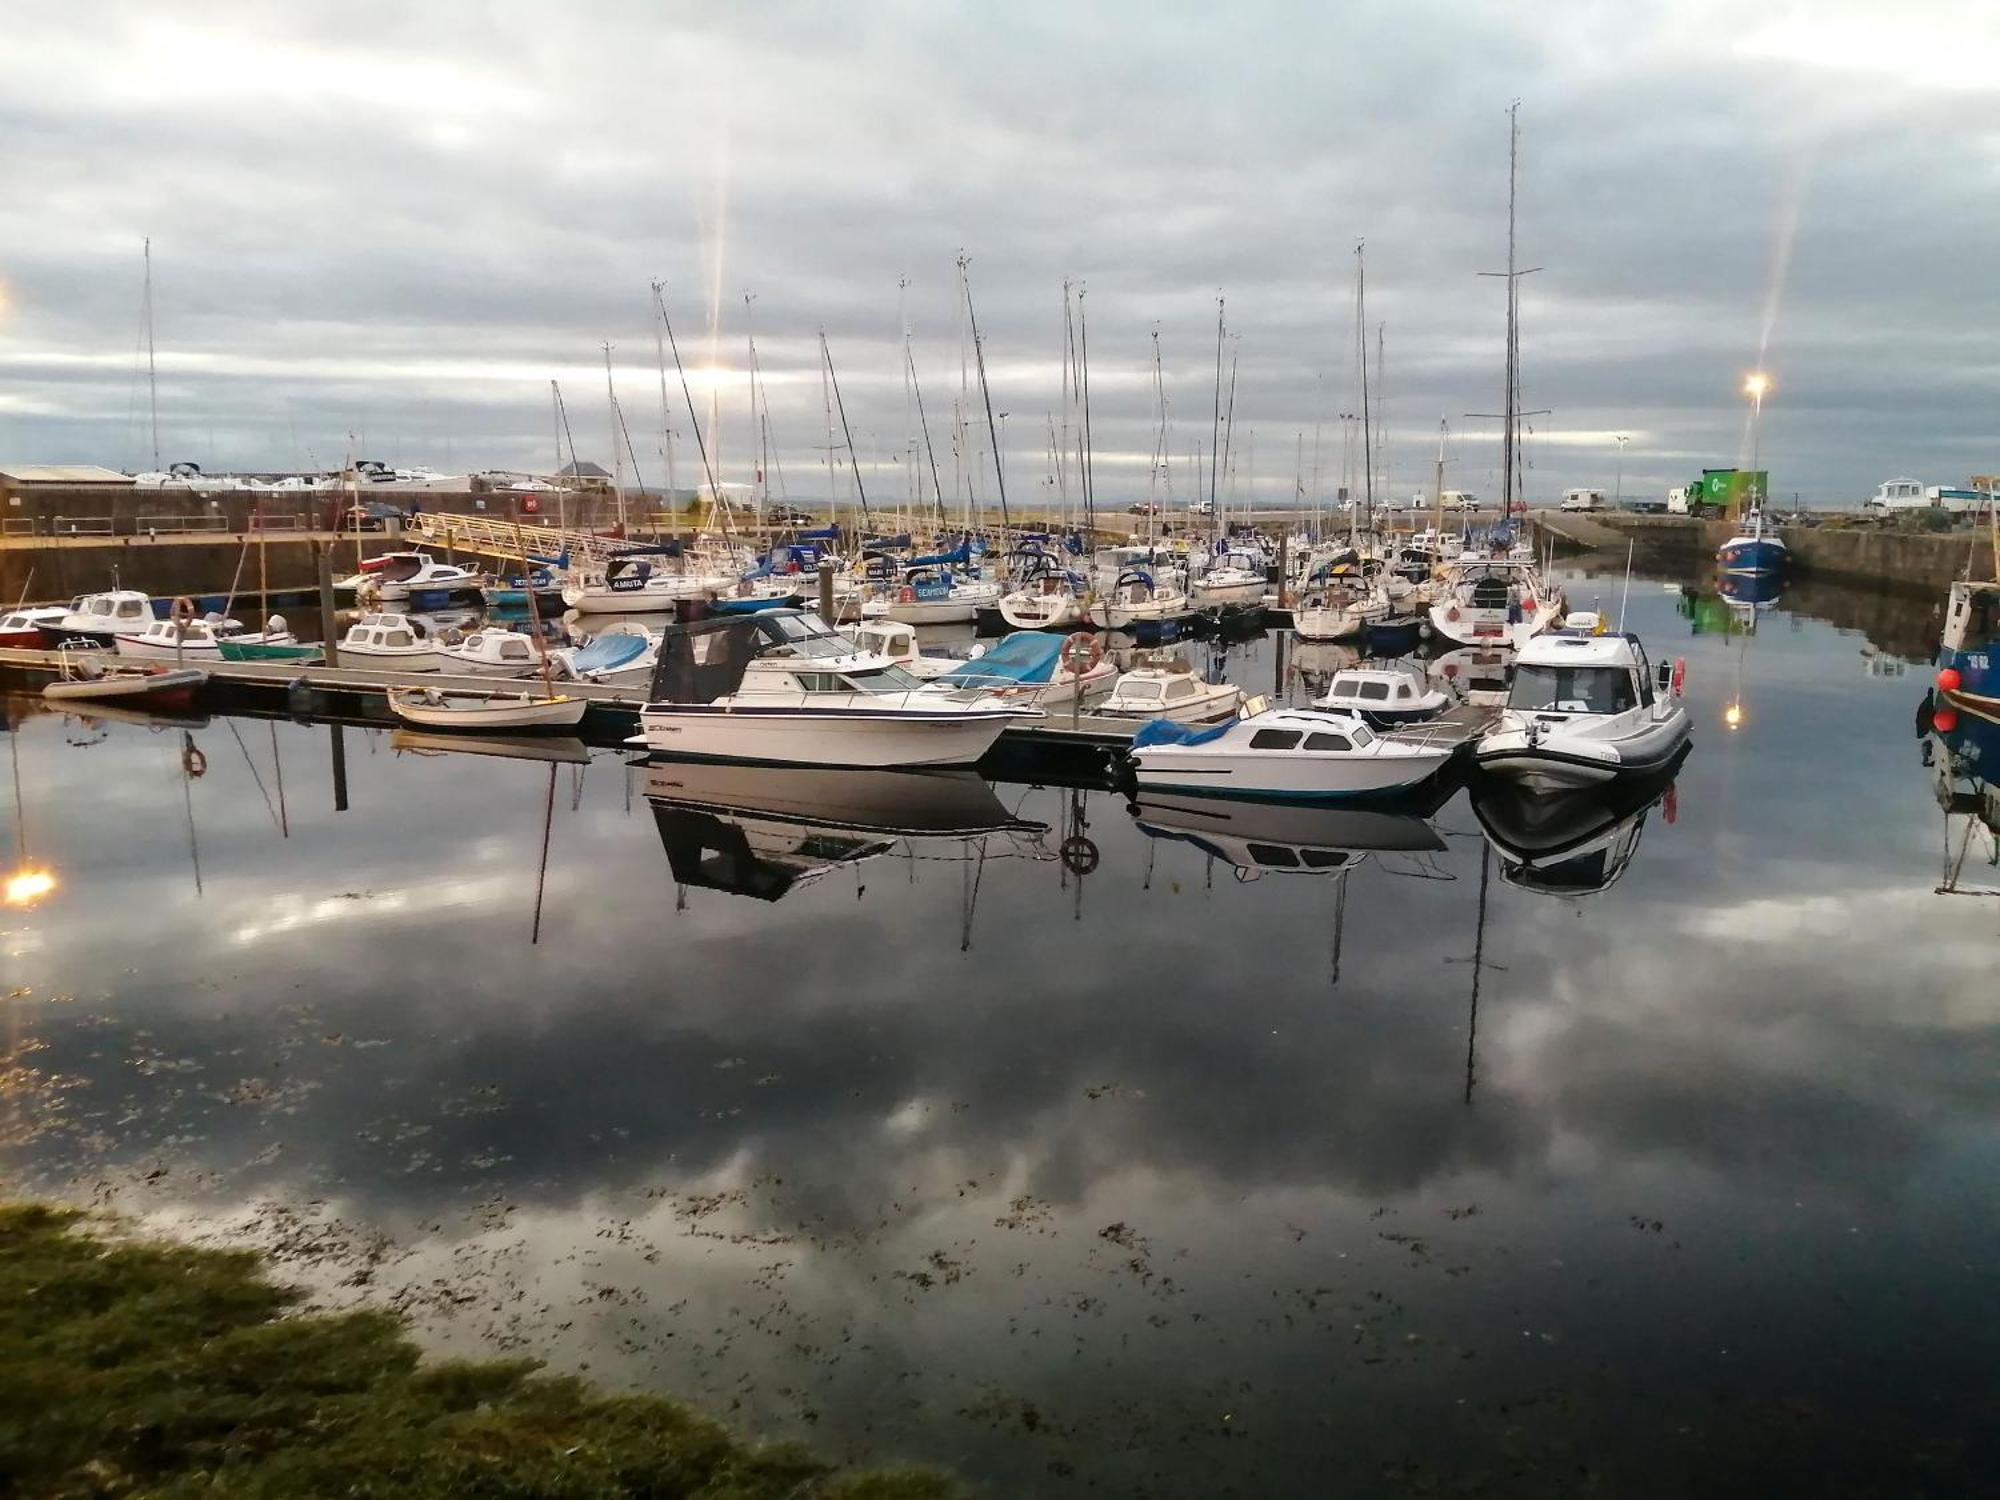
[
  {"x": 1753, "y": 550},
  {"x": 1969, "y": 653}
]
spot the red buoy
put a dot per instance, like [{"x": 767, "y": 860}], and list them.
[
  {"x": 1945, "y": 720},
  {"x": 1948, "y": 679}
]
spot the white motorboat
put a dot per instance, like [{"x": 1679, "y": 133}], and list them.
[
  {"x": 1283, "y": 752},
  {"x": 1171, "y": 691},
  {"x": 1481, "y": 674},
  {"x": 1575, "y": 843},
  {"x": 1339, "y": 611},
  {"x": 1386, "y": 695},
  {"x": 1585, "y": 709},
  {"x": 176, "y": 640},
  {"x": 433, "y": 708},
  {"x": 782, "y": 686},
  {"x": 898, "y": 642},
  {"x": 398, "y": 575},
  {"x": 491, "y": 652},
  {"x": 29, "y": 627},
  {"x": 99, "y": 619},
  {"x": 1495, "y": 601},
  {"x": 393, "y": 641}
]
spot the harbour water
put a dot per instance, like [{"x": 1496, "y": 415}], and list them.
[{"x": 999, "y": 1129}]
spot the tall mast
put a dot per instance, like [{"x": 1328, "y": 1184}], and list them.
[
  {"x": 1215, "y": 424},
  {"x": 854, "y": 463},
  {"x": 152, "y": 371},
  {"x": 1511, "y": 413},
  {"x": 986, "y": 394},
  {"x": 617, "y": 451},
  {"x": 1068, "y": 366},
  {"x": 1089, "y": 453},
  {"x": 1367, "y": 419},
  {"x": 666, "y": 419},
  {"x": 687, "y": 395},
  {"x": 756, "y": 427},
  {"x": 916, "y": 389}
]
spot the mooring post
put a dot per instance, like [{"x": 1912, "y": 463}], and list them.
[
  {"x": 826, "y": 589},
  {"x": 330, "y": 629},
  {"x": 1284, "y": 572},
  {"x": 339, "y": 768}
]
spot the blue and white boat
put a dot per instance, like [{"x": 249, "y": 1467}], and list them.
[
  {"x": 1028, "y": 667},
  {"x": 621, "y": 653},
  {"x": 1283, "y": 753},
  {"x": 1969, "y": 652},
  {"x": 1753, "y": 549}
]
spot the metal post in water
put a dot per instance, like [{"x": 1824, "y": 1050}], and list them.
[
  {"x": 826, "y": 589},
  {"x": 339, "y": 768},
  {"x": 328, "y": 630},
  {"x": 1284, "y": 572}
]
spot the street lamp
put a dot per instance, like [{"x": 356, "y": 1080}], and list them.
[
  {"x": 1755, "y": 384},
  {"x": 1618, "y": 494}
]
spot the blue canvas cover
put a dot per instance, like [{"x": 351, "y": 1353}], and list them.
[
  {"x": 607, "y": 653},
  {"x": 1027, "y": 656},
  {"x": 1167, "y": 732}
]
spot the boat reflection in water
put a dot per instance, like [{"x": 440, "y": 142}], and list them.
[
  {"x": 763, "y": 831},
  {"x": 1961, "y": 747},
  {"x": 1573, "y": 844},
  {"x": 1748, "y": 595},
  {"x": 1256, "y": 838}
]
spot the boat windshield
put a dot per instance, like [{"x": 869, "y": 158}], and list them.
[
  {"x": 1573, "y": 690},
  {"x": 884, "y": 680},
  {"x": 811, "y": 640}
]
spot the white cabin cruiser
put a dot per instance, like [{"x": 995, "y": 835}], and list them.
[
  {"x": 1137, "y": 599},
  {"x": 394, "y": 641},
  {"x": 1585, "y": 709},
  {"x": 200, "y": 639},
  {"x": 1495, "y": 601},
  {"x": 99, "y": 619},
  {"x": 493, "y": 652},
  {"x": 1386, "y": 695},
  {"x": 1235, "y": 578},
  {"x": 1032, "y": 667},
  {"x": 622, "y": 654},
  {"x": 1171, "y": 690},
  {"x": 398, "y": 575},
  {"x": 783, "y": 686},
  {"x": 1283, "y": 752},
  {"x": 26, "y": 627},
  {"x": 630, "y": 584}
]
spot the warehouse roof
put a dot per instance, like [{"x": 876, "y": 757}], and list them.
[{"x": 60, "y": 474}]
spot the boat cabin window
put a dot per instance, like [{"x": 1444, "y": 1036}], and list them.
[
  {"x": 882, "y": 680},
  {"x": 1180, "y": 687},
  {"x": 1575, "y": 690},
  {"x": 1274, "y": 739},
  {"x": 1402, "y": 690},
  {"x": 397, "y": 638},
  {"x": 129, "y": 609},
  {"x": 514, "y": 650},
  {"x": 1372, "y": 691},
  {"x": 1141, "y": 692},
  {"x": 1277, "y": 856},
  {"x": 1328, "y": 742}
]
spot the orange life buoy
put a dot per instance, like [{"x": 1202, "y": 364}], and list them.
[
  {"x": 183, "y": 609},
  {"x": 906, "y": 595},
  {"x": 1082, "y": 646}
]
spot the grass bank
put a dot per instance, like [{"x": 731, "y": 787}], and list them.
[{"x": 154, "y": 1369}]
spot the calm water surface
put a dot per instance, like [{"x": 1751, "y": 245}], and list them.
[{"x": 1154, "y": 1180}]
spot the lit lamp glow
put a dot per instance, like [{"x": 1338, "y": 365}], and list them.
[
  {"x": 1732, "y": 716},
  {"x": 26, "y": 886}
]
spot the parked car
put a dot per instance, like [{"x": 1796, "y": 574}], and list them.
[
  {"x": 1203, "y": 508},
  {"x": 784, "y": 515},
  {"x": 1144, "y": 508}
]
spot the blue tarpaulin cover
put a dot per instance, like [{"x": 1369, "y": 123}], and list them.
[
  {"x": 1167, "y": 732},
  {"x": 1026, "y": 656}
]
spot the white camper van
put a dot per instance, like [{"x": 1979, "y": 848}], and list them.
[{"x": 1583, "y": 500}]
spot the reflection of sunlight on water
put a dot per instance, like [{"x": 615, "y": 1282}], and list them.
[{"x": 276, "y": 916}]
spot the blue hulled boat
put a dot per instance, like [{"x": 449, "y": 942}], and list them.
[
  {"x": 1752, "y": 549},
  {"x": 1969, "y": 653}
]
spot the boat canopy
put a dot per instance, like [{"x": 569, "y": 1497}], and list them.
[
  {"x": 1026, "y": 656},
  {"x": 818, "y": 534},
  {"x": 702, "y": 660},
  {"x": 959, "y": 556},
  {"x": 1168, "y": 732},
  {"x": 671, "y": 548},
  {"x": 608, "y": 652}
]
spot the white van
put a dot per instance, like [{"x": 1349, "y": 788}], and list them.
[{"x": 1583, "y": 500}]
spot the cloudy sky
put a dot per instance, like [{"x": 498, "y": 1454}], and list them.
[{"x": 400, "y": 223}]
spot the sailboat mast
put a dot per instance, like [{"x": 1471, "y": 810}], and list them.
[
  {"x": 1511, "y": 404},
  {"x": 1367, "y": 420},
  {"x": 1089, "y": 453},
  {"x": 985, "y": 393},
  {"x": 617, "y": 451},
  {"x": 923, "y": 422},
  {"x": 666, "y": 418},
  {"x": 854, "y": 463},
  {"x": 1068, "y": 367},
  {"x": 152, "y": 369},
  {"x": 1215, "y": 425}
]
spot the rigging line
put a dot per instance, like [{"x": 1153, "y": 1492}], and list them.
[
  {"x": 985, "y": 392},
  {"x": 937, "y": 485},
  {"x": 253, "y": 769},
  {"x": 694, "y": 421},
  {"x": 846, "y": 433}
]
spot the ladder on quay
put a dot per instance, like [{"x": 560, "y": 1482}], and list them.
[{"x": 504, "y": 540}]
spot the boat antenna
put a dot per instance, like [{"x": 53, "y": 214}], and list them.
[
  {"x": 986, "y": 394},
  {"x": 847, "y": 433},
  {"x": 1625, "y": 597},
  {"x": 694, "y": 421}
]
